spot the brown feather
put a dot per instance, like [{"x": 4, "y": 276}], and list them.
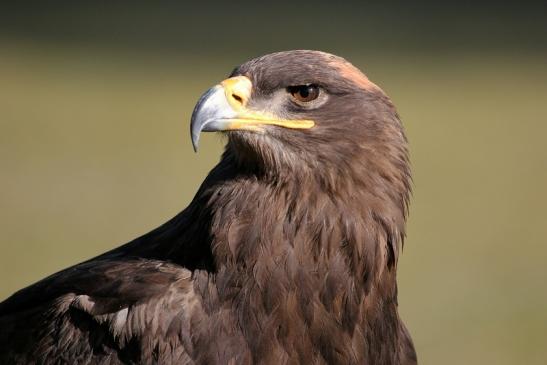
[{"x": 286, "y": 255}]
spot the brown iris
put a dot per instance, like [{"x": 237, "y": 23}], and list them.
[{"x": 304, "y": 93}]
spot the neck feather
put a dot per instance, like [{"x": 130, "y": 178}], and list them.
[{"x": 315, "y": 218}]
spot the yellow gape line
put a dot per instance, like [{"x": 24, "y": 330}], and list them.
[{"x": 238, "y": 91}]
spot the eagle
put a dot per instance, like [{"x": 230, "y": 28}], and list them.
[{"x": 287, "y": 254}]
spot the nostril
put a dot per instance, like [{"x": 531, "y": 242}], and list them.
[{"x": 238, "y": 98}]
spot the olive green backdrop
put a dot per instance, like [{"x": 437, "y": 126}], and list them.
[{"x": 95, "y": 100}]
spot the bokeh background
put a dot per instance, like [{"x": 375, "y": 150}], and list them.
[{"x": 95, "y": 100}]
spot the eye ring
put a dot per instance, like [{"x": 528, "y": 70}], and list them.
[{"x": 303, "y": 94}]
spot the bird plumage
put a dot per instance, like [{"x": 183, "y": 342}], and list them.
[{"x": 287, "y": 254}]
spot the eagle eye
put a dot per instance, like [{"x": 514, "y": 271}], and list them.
[{"x": 303, "y": 93}]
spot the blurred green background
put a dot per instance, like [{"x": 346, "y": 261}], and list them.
[{"x": 95, "y": 100}]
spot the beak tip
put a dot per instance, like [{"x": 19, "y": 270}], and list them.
[{"x": 195, "y": 141}]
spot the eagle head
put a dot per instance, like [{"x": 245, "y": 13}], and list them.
[{"x": 306, "y": 112}]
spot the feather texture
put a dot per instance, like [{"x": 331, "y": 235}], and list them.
[{"x": 286, "y": 255}]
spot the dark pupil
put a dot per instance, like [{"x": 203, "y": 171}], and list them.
[{"x": 304, "y": 93}]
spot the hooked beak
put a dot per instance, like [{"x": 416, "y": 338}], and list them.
[{"x": 224, "y": 107}]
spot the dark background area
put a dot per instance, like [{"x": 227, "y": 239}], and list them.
[
  {"x": 207, "y": 28},
  {"x": 95, "y": 100}
]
